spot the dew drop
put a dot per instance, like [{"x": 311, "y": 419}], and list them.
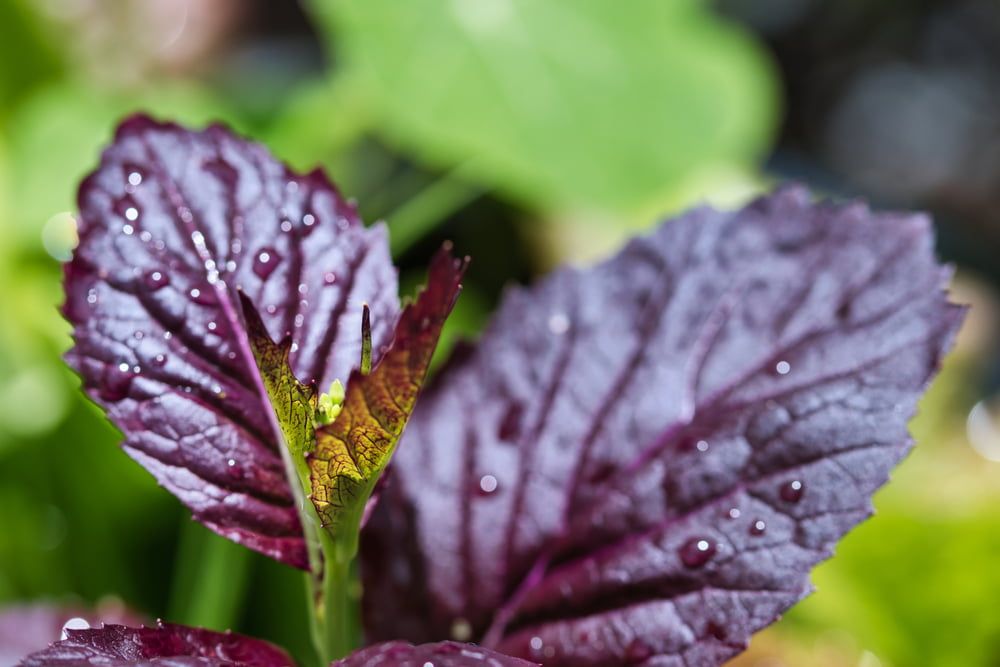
[
  {"x": 265, "y": 262},
  {"x": 127, "y": 208},
  {"x": 329, "y": 278},
  {"x": 487, "y": 484},
  {"x": 299, "y": 320},
  {"x": 91, "y": 296},
  {"x": 303, "y": 288},
  {"x": 637, "y": 651},
  {"x": 76, "y": 623},
  {"x": 184, "y": 213},
  {"x": 235, "y": 471},
  {"x": 212, "y": 326},
  {"x": 155, "y": 280},
  {"x": 701, "y": 446},
  {"x": 428, "y": 664},
  {"x": 271, "y": 309},
  {"x": 308, "y": 220},
  {"x": 128, "y": 229},
  {"x": 137, "y": 369},
  {"x": 160, "y": 360},
  {"x": 201, "y": 296},
  {"x": 696, "y": 552},
  {"x": 145, "y": 236},
  {"x": 734, "y": 513},
  {"x": 758, "y": 527},
  {"x": 134, "y": 178},
  {"x": 536, "y": 644},
  {"x": 782, "y": 367},
  {"x": 791, "y": 492},
  {"x": 286, "y": 226},
  {"x": 558, "y": 323},
  {"x": 116, "y": 384}
]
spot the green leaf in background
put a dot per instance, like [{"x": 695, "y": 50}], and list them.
[
  {"x": 26, "y": 57},
  {"x": 563, "y": 103}
]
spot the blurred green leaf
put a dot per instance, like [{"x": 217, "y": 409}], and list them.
[
  {"x": 565, "y": 102},
  {"x": 27, "y": 58},
  {"x": 55, "y": 137}
]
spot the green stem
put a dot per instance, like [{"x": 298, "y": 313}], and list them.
[
  {"x": 340, "y": 608},
  {"x": 417, "y": 216}
]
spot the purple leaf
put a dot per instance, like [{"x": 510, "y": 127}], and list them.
[
  {"x": 643, "y": 460},
  {"x": 164, "y": 645},
  {"x": 28, "y": 628},
  {"x": 171, "y": 223},
  {"x": 444, "y": 654}
]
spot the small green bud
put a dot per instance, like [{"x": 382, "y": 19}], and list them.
[{"x": 330, "y": 404}]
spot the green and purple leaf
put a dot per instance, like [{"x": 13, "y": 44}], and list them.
[
  {"x": 642, "y": 461},
  {"x": 171, "y": 224},
  {"x": 352, "y": 452},
  {"x": 343, "y": 460}
]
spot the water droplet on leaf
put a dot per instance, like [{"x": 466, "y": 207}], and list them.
[
  {"x": 265, "y": 262},
  {"x": 558, "y": 323},
  {"x": 487, "y": 484},
  {"x": 696, "y": 552},
  {"x": 76, "y": 623},
  {"x": 791, "y": 492},
  {"x": 154, "y": 280},
  {"x": 116, "y": 384}
]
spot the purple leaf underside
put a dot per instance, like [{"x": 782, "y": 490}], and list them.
[
  {"x": 171, "y": 224},
  {"x": 28, "y": 628},
  {"x": 443, "y": 654},
  {"x": 168, "y": 645},
  {"x": 641, "y": 462},
  {"x": 165, "y": 645}
]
